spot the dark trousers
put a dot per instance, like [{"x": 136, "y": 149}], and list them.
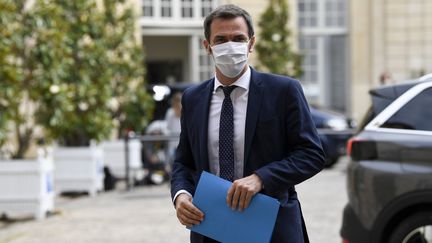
[{"x": 197, "y": 238}]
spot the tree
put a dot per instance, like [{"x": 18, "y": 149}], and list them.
[
  {"x": 275, "y": 53},
  {"x": 71, "y": 67},
  {"x": 131, "y": 101},
  {"x": 99, "y": 74},
  {"x": 75, "y": 84},
  {"x": 18, "y": 67}
]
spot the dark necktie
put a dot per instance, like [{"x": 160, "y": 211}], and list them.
[{"x": 226, "y": 136}]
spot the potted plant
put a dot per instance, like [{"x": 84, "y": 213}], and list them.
[
  {"x": 74, "y": 110},
  {"x": 18, "y": 66}
]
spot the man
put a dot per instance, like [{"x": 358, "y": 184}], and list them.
[{"x": 245, "y": 126}]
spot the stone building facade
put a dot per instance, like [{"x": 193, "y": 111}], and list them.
[
  {"x": 387, "y": 37},
  {"x": 172, "y": 34}
]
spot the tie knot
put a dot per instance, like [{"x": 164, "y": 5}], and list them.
[{"x": 228, "y": 89}]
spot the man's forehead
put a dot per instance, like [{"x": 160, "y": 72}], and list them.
[
  {"x": 239, "y": 20},
  {"x": 231, "y": 26}
]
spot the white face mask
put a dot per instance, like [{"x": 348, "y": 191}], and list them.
[{"x": 230, "y": 57}]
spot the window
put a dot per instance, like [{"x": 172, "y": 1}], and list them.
[
  {"x": 335, "y": 13},
  {"x": 147, "y": 6},
  {"x": 206, "y": 69},
  {"x": 308, "y": 13},
  {"x": 322, "y": 41},
  {"x": 336, "y": 60},
  {"x": 187, "y": 8},
  {"x": 322, "y": 13},
  {"x": 415, "y": 115},
  {"x": 174, "y": 10},
  {"x": 206, "y": 7},
  {"x": 308, "y": 47},
  {"x": 310, "y": 79},
  {"x": 166, "y": 8}
]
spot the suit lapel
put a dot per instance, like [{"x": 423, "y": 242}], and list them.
[
  {"x": 203, "y": 124},
  {"x": 253, "y": 106}
]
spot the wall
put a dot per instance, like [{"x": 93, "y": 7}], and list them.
[{"x": 391, "y": 36}]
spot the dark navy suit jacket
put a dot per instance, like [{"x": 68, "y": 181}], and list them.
[{"x": 281, "y": 146}]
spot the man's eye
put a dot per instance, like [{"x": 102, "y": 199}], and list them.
[
  {"x": 240, "y": 40},
  {"x": 219, "y": 41}
]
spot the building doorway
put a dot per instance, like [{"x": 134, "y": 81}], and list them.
[{"x": 164, "y": 72}]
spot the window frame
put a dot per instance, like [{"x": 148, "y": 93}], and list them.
[
  {"x": 314, "y": 15},
  {"x": 206, "y": 68},
  {"x": 395, "y": 106},
  {"x": 335, "y": 14},
  {"x": 187, "y": 5},
  {"x": 166, "y": 5},
  {"x": 148, "y": 4},
  {"x": 205, "y": 5}
]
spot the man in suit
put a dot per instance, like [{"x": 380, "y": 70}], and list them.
[{"x": 252, "y": 128}]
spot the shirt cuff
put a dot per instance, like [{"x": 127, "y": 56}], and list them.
[{"x": 180, "y": 192}]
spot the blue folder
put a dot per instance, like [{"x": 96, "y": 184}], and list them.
[{"x": 253, "y": 225}]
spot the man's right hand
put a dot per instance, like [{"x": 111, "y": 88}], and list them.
[{"x": 187, "y": 213}]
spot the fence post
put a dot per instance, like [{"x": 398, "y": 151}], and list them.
[{"x": 127, "y": 161}]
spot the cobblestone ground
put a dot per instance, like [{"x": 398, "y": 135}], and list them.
[{"x": 145, "y": 214}]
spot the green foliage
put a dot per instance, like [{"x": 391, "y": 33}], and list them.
[
  {"x": 77, "y": 64},
  {"x": 17, "y": 69},
  {"x": 126, "y": 64},
  {"x": 76, "y": 88},
  {"x": 99, "y": 77},
  {"x": 275, "y": 53}
]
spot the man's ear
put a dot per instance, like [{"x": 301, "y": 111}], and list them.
[
  {"x": 252, "y": 44},
  {"x": 206, "y": 45}
]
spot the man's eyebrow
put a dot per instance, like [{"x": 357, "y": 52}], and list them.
[
  {"x": 241, "y": 36},
  {"x": 235, "y": 36}
]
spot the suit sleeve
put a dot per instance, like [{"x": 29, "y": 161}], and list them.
[
  {"x": 305, "y": 157},
  {"x": 183, "y": 165}
]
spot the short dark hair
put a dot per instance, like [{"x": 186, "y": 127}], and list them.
[{"x": 228, "y": 11}]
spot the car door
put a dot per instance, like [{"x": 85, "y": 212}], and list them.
[{"x": 406, "y": 129}]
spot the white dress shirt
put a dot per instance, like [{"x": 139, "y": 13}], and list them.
[{"x": 239, "y": 97}]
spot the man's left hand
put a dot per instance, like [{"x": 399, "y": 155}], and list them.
[{"x": 241, "y": 192}]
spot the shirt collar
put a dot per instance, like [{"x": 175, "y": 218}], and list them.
[{"x": 242, "y": 82}]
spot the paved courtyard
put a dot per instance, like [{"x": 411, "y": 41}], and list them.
[{"x": 146, "y": 215}]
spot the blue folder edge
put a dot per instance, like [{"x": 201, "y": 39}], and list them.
[{"x": 254, "y": 225}]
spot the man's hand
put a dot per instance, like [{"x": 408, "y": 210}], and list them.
[
  {"x": 241, "y": 192},
  {"x": 187, "y": 213}
]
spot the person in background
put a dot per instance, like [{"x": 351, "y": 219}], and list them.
[
  {"x": 172, "y": 119},
  {"x": 385, "y": 78},
  {"x": 172, "y": 115},
  {"x": 154, "y": 155}
]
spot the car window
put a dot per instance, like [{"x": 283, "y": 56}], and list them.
[{"x": 416, "y": 114}]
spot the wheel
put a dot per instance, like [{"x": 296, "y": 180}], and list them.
[{"x": 416, "y": 228}]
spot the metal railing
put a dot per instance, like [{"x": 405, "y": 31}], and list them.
[
  {"x": 168, "y": 138},
  {"x": 143, "y": 139}
]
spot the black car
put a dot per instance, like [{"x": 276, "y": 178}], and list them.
[
  {"x": 389, "y": 176},
  {"x": 334, "y": 130}
]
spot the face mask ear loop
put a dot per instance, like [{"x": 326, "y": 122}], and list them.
[{"x": 210, "y": 52}]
